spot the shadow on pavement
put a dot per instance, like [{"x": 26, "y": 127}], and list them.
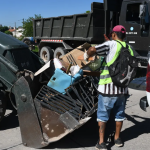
[
  {"x": 10, "y": 120},
  {"x": 134, "y": 131},
  {"x": 137, "y": 129},
  {"x": 86, "y": 136}
]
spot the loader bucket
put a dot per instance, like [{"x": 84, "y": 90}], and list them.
[{"x": 50, "y": 115}]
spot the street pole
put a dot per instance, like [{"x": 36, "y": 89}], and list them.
[{"x": 15, "y": 29}]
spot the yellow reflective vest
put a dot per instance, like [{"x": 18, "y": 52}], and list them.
[{"x": 105, "y": 78}]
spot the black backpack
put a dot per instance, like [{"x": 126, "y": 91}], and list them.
[{"x": 123, "y": 70}]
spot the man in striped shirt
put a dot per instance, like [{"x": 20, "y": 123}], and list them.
[{"x": 110, "y": 95}]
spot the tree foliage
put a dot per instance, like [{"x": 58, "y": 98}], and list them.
[
  {"x": 88, "y": 11},
  {"x": 8, "y": 32},
  {"x": 3, "y": 28},
  {"x": 28, "y": 26}
]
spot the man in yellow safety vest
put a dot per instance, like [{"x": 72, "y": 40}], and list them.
[{"x": 111, "y": 96}]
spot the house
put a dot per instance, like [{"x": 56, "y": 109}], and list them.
[
  {"x": 18, "y": 33},
  {"x": 11, "y": 30}
]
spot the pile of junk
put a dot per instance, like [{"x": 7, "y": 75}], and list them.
[{"x": 65, "y": 101}]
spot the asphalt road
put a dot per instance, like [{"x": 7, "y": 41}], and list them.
[{"x": 135, "y": 131}]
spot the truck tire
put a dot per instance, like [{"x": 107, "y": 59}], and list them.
[
  {"x": 59, "y": 51},
  {"x": 46, "y": 53},
  {"x": 2, "y": 105}
]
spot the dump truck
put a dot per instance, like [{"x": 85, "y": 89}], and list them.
[
  {"x": 56, "y": 36},
  {"x": 46, "y": 115}
]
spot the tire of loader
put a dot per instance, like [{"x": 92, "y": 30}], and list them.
[{"x": 2, "y": 104}]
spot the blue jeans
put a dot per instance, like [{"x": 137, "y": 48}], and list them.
[{"x": 105, "y": 105}]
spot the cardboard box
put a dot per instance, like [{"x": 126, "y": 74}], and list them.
[
  {"x": 90, "y": 68},
  {"x": 72, "y": 57}
]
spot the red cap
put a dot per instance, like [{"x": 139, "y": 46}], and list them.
[{"x": 118, "y": 28}]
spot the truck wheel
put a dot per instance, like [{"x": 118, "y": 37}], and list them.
[
  {"x": 46, "y": 53},
  {"x": 59, "y": 51},
  {"x": 2, "y": 105},
  {"x": 27, "y": 41}
]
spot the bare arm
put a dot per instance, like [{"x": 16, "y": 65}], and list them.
[{"x": 92, "y": 50}]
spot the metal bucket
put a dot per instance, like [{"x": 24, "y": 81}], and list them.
[{"x": 51, "y": 115}]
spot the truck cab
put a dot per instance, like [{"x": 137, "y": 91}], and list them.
[{"x": 134, "y": 16}]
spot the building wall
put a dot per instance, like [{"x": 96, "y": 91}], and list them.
[{"x": 18, "y": 33}]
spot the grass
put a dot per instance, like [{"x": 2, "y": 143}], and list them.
[{"x": 36, "y": 48}]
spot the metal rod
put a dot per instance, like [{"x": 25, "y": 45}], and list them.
[
  {"x": 75, "y": 107},
  {"x": 68, "y": 69},
  {"x": 50, "y": 103},
  {"x": 79, "y": 98},
  {"x": 62, "y": 95},
  {"x": 48, "y": 106},
  {"x": 85, "y": 95}
]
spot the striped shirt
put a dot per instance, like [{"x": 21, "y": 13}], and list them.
[
  {"x": 111, "y": 89},
  {"x": 109, "y": 49}
]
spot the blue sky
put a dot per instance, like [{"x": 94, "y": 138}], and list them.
[{"x": 15, "y": 11}]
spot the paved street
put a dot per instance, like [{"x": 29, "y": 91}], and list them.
[{"x": 135, "y": 132}]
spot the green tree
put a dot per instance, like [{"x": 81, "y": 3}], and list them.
[
  {"x": 87, "y": 12},
  {"x": 8, "y": 32},
  {"x": 28, "y": 26},
  {"x": 3, "y": 29}
]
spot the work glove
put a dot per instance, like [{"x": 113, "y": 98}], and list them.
[{"x": 85, "y": 56}]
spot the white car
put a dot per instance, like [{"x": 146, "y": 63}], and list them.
[
  {"x": 143, "y": 83},
  {"x": 145, "y": 101}
]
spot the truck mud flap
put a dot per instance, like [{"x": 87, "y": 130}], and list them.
[
  {"x": 143, "y": 103},
  {"x": 51, "y": 115}
]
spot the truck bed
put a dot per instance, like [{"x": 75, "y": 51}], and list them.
[{"x": 87, "y": 27}]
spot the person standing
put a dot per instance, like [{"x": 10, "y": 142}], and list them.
[{"x": 110, "y": 96}]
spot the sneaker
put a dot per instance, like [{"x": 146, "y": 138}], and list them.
[
  {"x": 101, "y": 146},
  {"x": 118, "y": 142}
]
